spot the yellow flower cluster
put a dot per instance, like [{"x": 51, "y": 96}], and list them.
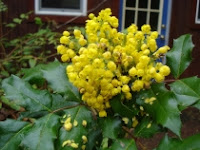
[{"x": 106, "y": 62}]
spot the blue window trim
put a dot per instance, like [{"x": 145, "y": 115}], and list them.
[
  {"x": 161, "y": 42},
  {"x": 165, "y": 20}
]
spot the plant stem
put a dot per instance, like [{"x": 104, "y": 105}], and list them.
[
  {"x": 66, "y": 107},
  {"x": 169, "y": 80},
  {"x": 127, "y": 130}
]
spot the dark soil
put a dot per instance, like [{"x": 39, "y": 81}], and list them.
[{"x": 190, "y": 118}]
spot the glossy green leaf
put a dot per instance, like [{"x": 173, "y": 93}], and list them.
[
  {"x": 179, "y": 58},
  {"x": 123, "y": 144},
  {"x": 34, "y": 75},
  {"x": 190, "y": 143},
  {"x": 23, "y": 94},
  {"x": 164, "y": 110},
  {"x": 94, "y": 136},
  {"x": 110, "y": 127},
  {"x": 146, "y": 128},
  {"x": 78, "y": 114},
  {"x": 187, "y": 91},
  {"x": 11, "y": 134},
  {"x": 43, "y": 133},
  {"x": 11, "y": 104},
  {"x": 33, "y": 100},
  {"x": 122, "y": 109},
  {"x": 56, "y": 76},
  {"x": 197, "y": 105}
]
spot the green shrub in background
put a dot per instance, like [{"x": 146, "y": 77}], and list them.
[
  {"x": 56, "y": 118},
  {"x": 27, "y": 50}
]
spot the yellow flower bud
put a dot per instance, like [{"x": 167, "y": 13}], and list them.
[
  {"x": 164, "y": 70},
  {"x": 77, "y": 33},
  {"x": 125, "y": 119},
  {"x": 66, "y": 33},
  {"x": 132, "y": 72},
  {"x": 74, "y": 145},
  {"x": 159, "y": 77},
  {"x": 102, "y": 113},
  {"x": 75, "y": 123},
  {"x": 64, "y": 40},
  {"x": 68, "y": 126},
  {"x": 111, "y": 65},
  {"x": 84, "y": 138},
  {"x": 125, "y": 88},
  {"x": 84, "y": 123}
]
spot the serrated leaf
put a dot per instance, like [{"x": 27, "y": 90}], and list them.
[
  {"x": 197, "y": 105},
  {"x": 190, "y": 143},
  {"x": 119, "y": 107},
  {"x": 11, "y": 133},
  {"x": 11, "y": 104},
  {"x": 110, "y": 127},
  {"x": 179, "y": 58},
  {"x": 93, "y": 137},
  {"x": 142, "y": 129},
  {"x": 164, "y": 109},
  {"x": 43, "y": 133},
  {"x": 23, "y": 94},
  {"x": 34, "y": 75},
  {"x": 123, "y": 144},
  {"x": 187, "y": 91},
  {"x": 78, "y": 114},
  {"x": 34, "y": 101},
  {"x": 56, "y": 76}
]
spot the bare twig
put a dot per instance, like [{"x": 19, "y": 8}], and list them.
[
  {"x": 169, "y": 80},
  {"x": 127, "y": 130},
  {"x": 66, "y": 107}
]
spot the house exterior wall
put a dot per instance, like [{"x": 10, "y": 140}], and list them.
[
  {"x": 182, "y": 22},
  {"x": 16, "y": 7}
]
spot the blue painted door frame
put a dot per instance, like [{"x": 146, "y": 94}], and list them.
[{"x": 163, "y": 37}]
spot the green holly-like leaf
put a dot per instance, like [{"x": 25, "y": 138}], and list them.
[
  {"x": 164, "y": 109},
  {"x": 43, "y": 133},
  {"x": 123, "y": 144},
  {"x": 179, "y": 58},
  {"x": 123, "y": 109},
  {"x": 56, "y": 76},
  {"x": 11, "y": 134},
  {"x": 34, "y": 101},
  {"x": 190, "y": 143},
  {"x": 34, "y": 75},
  {"x": 187, "y": 91},
  {"x": 146, "y": 128},
  {"x": 94, "y": 136},
  {"x": 197, "y": 105},
  {"x": 77, "y": 114},
  {"x": 110, "y": 127}
]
